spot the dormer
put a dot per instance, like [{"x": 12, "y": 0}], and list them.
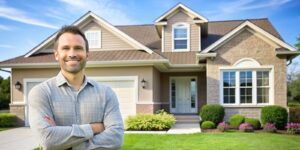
[{"x": 181, "y": 29}]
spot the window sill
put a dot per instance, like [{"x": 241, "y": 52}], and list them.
[{"x": 246, "y": 105}]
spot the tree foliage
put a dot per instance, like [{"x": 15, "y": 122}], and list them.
[
  {"x": 4, "y": 93},
  {"x": 298, "y": 43},
  {"x": 294, "y": 89}
]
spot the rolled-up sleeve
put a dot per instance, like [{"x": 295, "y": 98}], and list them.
[
  {"x": 113, "y": 135},
  {"x": 53, "y": 137}
]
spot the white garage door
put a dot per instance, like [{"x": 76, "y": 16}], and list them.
[{"x": 126, "y": 93}]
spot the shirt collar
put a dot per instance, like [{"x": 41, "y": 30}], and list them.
[{"x": 61, "y": 80}]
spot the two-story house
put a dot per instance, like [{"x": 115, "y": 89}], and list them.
[{"x": 179, "y": 63}]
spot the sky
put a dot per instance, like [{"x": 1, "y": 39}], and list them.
[{"x": 26, "y": 23}]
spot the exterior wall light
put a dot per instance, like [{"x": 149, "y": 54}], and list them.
[
  {"x": 18, "y": 85},
  {"x": 143, "y": 83}
]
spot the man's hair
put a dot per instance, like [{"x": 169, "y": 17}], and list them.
[{"x": 73, "y": 30}]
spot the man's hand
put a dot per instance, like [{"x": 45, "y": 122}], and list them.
[
  {"x": 97, "y": 127},
  {"x": 50, "y": 120}
]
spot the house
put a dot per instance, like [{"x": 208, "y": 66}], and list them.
[{"x": 179, "y": 63}]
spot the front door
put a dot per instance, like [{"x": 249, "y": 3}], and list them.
[{"x": 183, "y": 95}]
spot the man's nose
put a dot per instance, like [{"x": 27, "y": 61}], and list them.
[{"x": 72, "y": 53}]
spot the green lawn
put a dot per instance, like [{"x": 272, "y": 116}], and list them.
[
  {"x": 213, "y": 141},
  {"x": 2, "y": 128}
]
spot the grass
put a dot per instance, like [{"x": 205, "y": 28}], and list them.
[
  {"x": 293, "y": 103},
  {"x": 228, "y": 140},
  {"x": 5, "y": 128}
]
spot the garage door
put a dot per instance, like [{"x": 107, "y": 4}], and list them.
[{"x": 126, "y": 93}]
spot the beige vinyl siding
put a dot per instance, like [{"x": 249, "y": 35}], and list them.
[
  {"x": 109, "y": 41},
  {"x": 194, "y": 31}
]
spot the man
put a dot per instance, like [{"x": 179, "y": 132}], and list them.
[{"x": 70, "y": 111}]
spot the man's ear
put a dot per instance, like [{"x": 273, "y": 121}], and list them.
[{"x": 56, "y": 55}]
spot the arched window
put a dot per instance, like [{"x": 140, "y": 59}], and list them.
[{"x": 181, "y": 34}]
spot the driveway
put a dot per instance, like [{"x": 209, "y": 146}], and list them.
[{"x": 17, "y": 139}]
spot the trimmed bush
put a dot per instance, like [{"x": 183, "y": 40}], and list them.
[
  {"x": 7, "y": 120},
  {"x": 254, "y": 122},
  {"x": 212, "y": 112},
  {"x": 150, "y": 122},
  {"x": 269, "y": 127},
  {"x": 246, "y": 127},
  {"x": 223, "y": 126},
  {"x": 236, "y": 120},
  {"x": 295, "y": 114},
  {"x": 208, "y": 125},
  {"x": 274, "y": 114}
]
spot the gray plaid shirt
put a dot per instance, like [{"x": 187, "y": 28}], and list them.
[{"x": 72, "y": 112}]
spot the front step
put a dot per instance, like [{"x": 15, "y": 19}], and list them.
[{"x": 187, "y": 118}]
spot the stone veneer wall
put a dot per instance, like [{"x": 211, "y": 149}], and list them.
[
  {"x": 18, "y": 110},
  {"x": 246, "y": 45}
]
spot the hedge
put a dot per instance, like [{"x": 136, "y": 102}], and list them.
[
  {"x": 208, "y": 125},
  {"x": 7, "y": 120},
  {"x": 212, "y": 112},
  {"x": 236, "y": 120},
  {"x": 150, "y": 122},
  {"x": 254, "y": 122},
  {"x": 274, "y": 114}
]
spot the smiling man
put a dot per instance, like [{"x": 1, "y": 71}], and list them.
[{"x": 70, "y": 111}]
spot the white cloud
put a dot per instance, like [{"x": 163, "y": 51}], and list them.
[
  {"x": 6, "y": 46},
  {"x": 238, "y": 6},
  {"x": 4, "y": 27},
  {"x": 113, "y": 12},
  {"x": 21, "y": 16}
]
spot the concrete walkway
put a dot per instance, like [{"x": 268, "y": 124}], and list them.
[
  {"x": 17, "y": 139},
  {"x": 185, "y": 128}
]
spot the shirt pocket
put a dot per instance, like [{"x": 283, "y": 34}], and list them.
[{"x": 63, "y": 111}]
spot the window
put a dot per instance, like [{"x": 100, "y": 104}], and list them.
[
  {"x": 263, "y": 87},
  {"x": 245, "y": 86},
  {"x": 180, "y": 37},
  {"x": 229, "y": 87},
  {"x": 193, "y": 93},
  {"x": 173, "y": 93},
  {"x": 94, "y": 39}
]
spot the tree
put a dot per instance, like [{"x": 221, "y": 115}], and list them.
[
  {"x": 298, "y": 43},
  {"x": 294, "y": 89},
  {"x": 4, "y": 93}
]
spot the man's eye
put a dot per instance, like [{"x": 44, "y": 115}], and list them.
[{"x": 65, "y": 48}]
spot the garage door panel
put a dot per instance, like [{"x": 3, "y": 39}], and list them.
[{"x": 125, "y": 92}]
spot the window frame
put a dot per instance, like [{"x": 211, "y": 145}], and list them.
[
  {"x": 99, "y": 44},
  {"x": 180, "y": 25},
  {"x": 254, "y": 85}
]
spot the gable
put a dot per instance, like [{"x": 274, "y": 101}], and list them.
[{"x": 83, "y": 22}]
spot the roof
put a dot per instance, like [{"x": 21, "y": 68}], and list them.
[{"x": 148, "y": 36}]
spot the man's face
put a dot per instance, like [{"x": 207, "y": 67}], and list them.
[{"x": 71, "y": 53}]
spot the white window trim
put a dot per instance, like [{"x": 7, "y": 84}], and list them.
[
  {"x": 100, "y": 38},
  {"x": 254, "y": 90},
  {"x": 174, "y": 26}
]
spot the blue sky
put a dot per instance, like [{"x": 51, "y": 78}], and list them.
[{"x": 26, "y": 23}]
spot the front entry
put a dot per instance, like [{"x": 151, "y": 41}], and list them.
[{"x": 183, "y": 95}]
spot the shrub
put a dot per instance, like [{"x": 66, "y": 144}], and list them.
[
  {"x": 274, "y": 114},
  {"x": 246, "y": 127},
  {"x": 254, "y": 122},
  {"x": 223, "y": 126},
  {"x": 212, "y": 112},
  {"x": 293, "y": 128},
  {"x": 236, "y": 120},
  {"x": 208, "y": 125},
  {"x": 7, "y": 120},
  {"x": 150, "y": 122},
  {"x": 295, "y": 114},
  {"x": 269, "y": 127}
]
